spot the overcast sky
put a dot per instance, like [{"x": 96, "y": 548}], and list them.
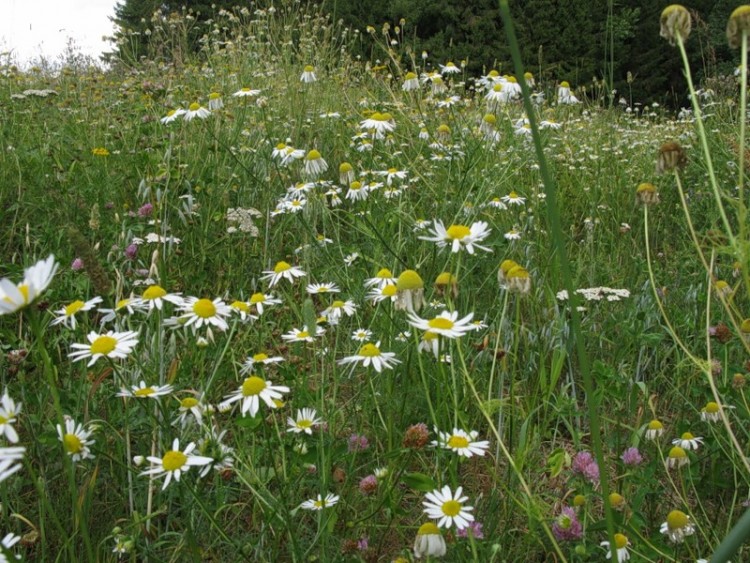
[{"x": 30, "y": 28}]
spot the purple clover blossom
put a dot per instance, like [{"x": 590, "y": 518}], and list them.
[
  {"x": 77, "y": 265},
  {"x": 584, "y": 464},
  {"x": 145, "y": 210},
  {"x": 566, "y": 526},
  {"x": 363, "y": 544},
  {"x": 474, "y": 528},
  {"x": 131, "y": 251},
  {"x": 358, "y": 443},
  {"x": 368, "y": 485},
  {"x": 632, "y": 456}
]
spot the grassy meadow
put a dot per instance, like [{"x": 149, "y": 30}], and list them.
[{"x": 275, "y": 302}]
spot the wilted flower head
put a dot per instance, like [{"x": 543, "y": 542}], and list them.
[
  {"x": 646, "y": 193},
  {"x": 566, "y": 526},
  {"x": 416, "y": 436},
  {"x": 671, "y": 156},
  {"x": 739, "y": 23},
  {"x": 675, "y": 22}
]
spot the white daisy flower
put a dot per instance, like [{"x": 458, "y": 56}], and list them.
[
  {"x": 36, "y": 279},
  {"x": 75, "y": 440},
  {"x": 196, "y": 110},
  {"x": 513, "y": 234},
  {"x": 252, "y": 390},
  {"x": 259, "y": 358},
  {"x": 677, "y": 526},
  {"x": 328, "y": 287},
  {"x": 308, "y": 74},
  {"x": 446, "y": 324},
  {"x": 320, "y": 503},
  {"x": 143, "y": 391},
  {"x": 459, "y": 236},
  {"x": 621, "y": 545},
  {"x": 371, "y": 354},
  {"x": 204, "y": 312},
  {"x": 190, "y": 405},
  {"x": 429, "y": 542},
  {"x": 448, "y": 508},
  {"x": 261, "y": 300},
  {"x": 338, "y": 309},
  {"x": 7, "y": 544},
  {"x": 382, "y": 278},
  {"x": 128, "y": 304},
  {"x": 175, "y": 462},
  {"x": 8, "y": 413},
  {"x": 154, "y": 297},
  {"x": 378, "y": 294},
  {"x": 246, "y": 93},
  {"x": 172, "y": 115},
  {"x": 242, "y": 308},
  {"x": 304, "y": 335},
  {"x": 688, "y": 442},
  {"x": 115, "y": 345},
  {"x": 282, "y": 270},
  {"x": 305, "y": 422},
  {"x": 9, "y": 461},
  {"x": 513, "y": 199},
  {"x": 67, "y": 315},
  {"x": 315, "y": 165},
  {"x": 464, "y": 443},
  {"x": 362, "y": 335}
]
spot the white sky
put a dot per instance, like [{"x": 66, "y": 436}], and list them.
[{"x": 32, "y": 28}]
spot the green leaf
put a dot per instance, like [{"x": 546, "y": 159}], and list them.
[{"x": 419, "y": 482}]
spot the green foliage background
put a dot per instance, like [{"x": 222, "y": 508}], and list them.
[{"x": 581, "y": 41}]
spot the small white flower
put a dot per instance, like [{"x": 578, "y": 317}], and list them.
[
  {"x": 448, "y": 508},
  {"x": 175, "y": 462},
  {"x": 371, "y": 354},
  {"x": 320, "y": 503},
  {"x": 305, "y": 422}
]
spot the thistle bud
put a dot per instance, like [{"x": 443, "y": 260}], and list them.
[
  {"x": 675, "y": 22},
  {"x": 739, "y": 23},
  {"x": 671, "y": 156}
]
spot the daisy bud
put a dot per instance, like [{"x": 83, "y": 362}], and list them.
[
  {"x": 738, "y": 24},
  {"x": 675, "y": 22},
  {"x": 138, "y": 460}
]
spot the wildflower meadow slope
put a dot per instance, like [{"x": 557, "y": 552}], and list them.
[{"x": 274, "y": 302}]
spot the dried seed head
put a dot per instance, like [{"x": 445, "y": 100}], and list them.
[
  {"x": 646, "y": 194},
  {"x": 671, "y": 156},
  {"x": 675, "y": 22}
]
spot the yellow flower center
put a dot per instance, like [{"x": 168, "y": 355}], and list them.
[
  {"x": 260, "y": 357},
  {"x": 122, "y": 303},
  {"x": 303, "y": 334},
  {"x": 154, "y": 292},
  {"x": 655, "y": 425},
  {"x": 369, "y": 351},
  {"x": 241, "y": 306},
  {"x": 72, "y": 443},
  {"x": 451, "y": 508},
  {"x": 309, "y": 68},
  {"x": 620, "y": 541},
  {"x": 458, "y": 442},
  {"x": 389, "y": 290},
  {"x": 306, "y": 423},
  {"x": 409, "y": 279},
  {"x": 204, "y": 308},
  {"x": 711, "y": 407},
  {"x": 677, "y": 519},
  {"x": 440, "y": 323},
  {"x": 428, "y": 529},
  {"x": 458, "y": 232},
  {"x": 345, "y": 167},
  {"x": 259, "y": 297},
  {"x": 214, "y": 96},
  {"x": 73, "y": 308},
  {"x": 195, "y": 106},
  {"x": 253, "y": 386},
  {"x": 497, "y": 87},
  {"x": 173, "y": 460},
  {"x": 281, "y": 146},
  {"x": 687, "y": 436},
  {"x": 281, "y": 267},
  {"x": 3, "y": 420},
  {"x": 103, "y": 345},
  {"x": 188, "y": 402},
  {"x": 338, "y": 304},
  {"x": 313, "y": 155},
  {"x": 677, "y": 453},
  {"x": 384, "y": 273},
  {"x": 355, "y": 185},
  {"x": 144, "y": 392}
]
